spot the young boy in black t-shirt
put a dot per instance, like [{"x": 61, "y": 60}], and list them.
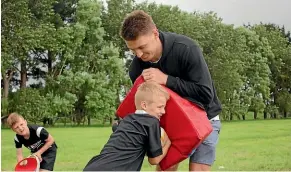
[
  {"x": 36, "y": 139},
  {"x": 137, "y": 134}
]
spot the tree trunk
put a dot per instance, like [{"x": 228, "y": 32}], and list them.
[
  {"x": 244, "y": 117},
  {"x": 265, "y": 115},
  {"x": 5, "y": 87},
  {"x": 275, "y": 115},
  {"x": 78, "y": 118},
  {"x": 275, "y": 94},
  {"x": 6, "y": 82},
  {"x": 255, "y": 114},
  {"x": 285, "y": 114},
  {"x": 111, "y": 120},
  {"x": 89, "y": 120},
  {"x": 238, "y": 117},
  {"x": 49, "y": 62},
  {"x": 84, "y": 121},
  {"x": 231, "y": 117},
  {"x": 73, "y": 120},
  {"x": 23, "y": 73}
]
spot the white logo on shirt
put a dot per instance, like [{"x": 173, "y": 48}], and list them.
[{"x": 35, "y": 145}]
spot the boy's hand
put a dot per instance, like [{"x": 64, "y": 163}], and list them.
[
  {"x": 38, "y": 156},
  {"x": 23, "y": 162}
]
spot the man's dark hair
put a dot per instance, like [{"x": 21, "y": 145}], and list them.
[{"x": 135, "y": 24}]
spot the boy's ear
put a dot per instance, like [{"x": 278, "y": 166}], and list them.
[{"x": 143, "y": 105}]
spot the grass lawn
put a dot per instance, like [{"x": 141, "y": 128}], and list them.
[{"x": 244, "y": 145}]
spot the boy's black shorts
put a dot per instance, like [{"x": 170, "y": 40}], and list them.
[{"x": 48, "y": 160}]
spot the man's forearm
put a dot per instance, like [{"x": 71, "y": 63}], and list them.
[{"x": 203, "y": 94}]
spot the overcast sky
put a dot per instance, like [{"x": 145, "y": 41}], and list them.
[{"x": 240, "y": 12}]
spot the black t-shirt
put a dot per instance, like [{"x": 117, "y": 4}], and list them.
[
  {"x": 36, "y": 140},
  {"x": 137, "y": 135}
]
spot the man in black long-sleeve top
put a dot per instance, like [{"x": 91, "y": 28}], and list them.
[{"x": 177, "y": 62}]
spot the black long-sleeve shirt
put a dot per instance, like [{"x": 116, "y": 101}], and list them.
[{"x": 188, "y": 74}]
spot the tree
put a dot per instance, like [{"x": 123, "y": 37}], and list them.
[
  {"x": 93, "y": 70},
  {"x": 257, "y": 71},
  {"x": 278, "y": 64},
  {"x": 30, "y": 103},
  {"x": 112, "y": 17},
  {"x": 15, "y": 34}
]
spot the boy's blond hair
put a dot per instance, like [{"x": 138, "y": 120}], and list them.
[
  {"x": 146, "y": 92},
  {"x": 13, "y": 118}
]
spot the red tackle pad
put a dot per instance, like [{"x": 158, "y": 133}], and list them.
[{"x": 185, "y": 123}]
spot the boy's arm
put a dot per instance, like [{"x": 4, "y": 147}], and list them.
[
  {"x": 18, "y": 146},
  {"x": 19, "y": 154},
  {"x": 157, "y": 146},
  {"x": 43, "y": 134},
  {"x": 49, "y": 141},
  {"x": 166, "y": 145}
]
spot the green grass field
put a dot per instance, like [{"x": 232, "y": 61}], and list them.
[{"x": 244, "y": 145}]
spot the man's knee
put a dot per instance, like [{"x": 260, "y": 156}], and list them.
[
  {"x": 205, "y": 153},
  {"x": 199, "y": 167}
]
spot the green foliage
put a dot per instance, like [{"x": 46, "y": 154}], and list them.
[
  {"x": 30, "y": 103},
  {"x": 4, "y": 106},
  {"x": 74, "y": 49},
  {"x": 284, "y": 101},
  {"x": 60, "y": 105}
]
